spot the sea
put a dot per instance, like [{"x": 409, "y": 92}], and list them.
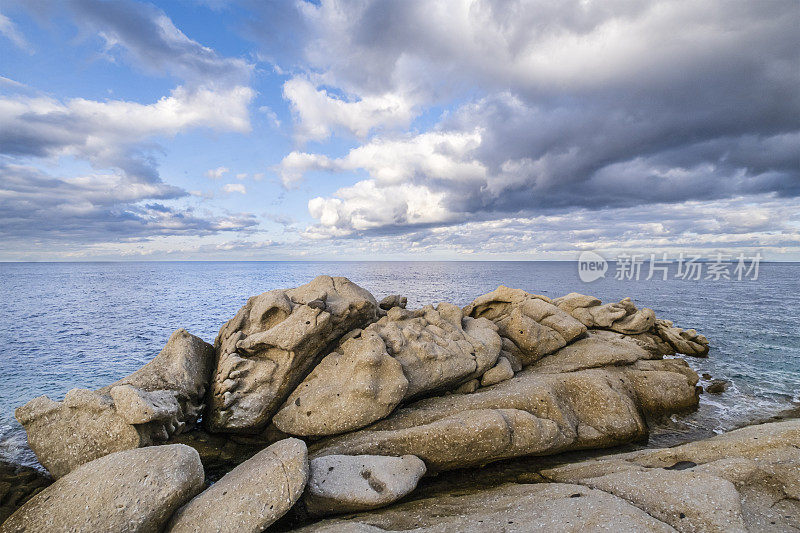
[{"x": 68, "y": 325}]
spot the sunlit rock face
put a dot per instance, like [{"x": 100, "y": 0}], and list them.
[
  {"x": 273, "y": 342},
  {"x": 161, "y": 399}
]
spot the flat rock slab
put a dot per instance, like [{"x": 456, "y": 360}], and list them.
[
  {"x": 251, "y": 496},
  {"x": 128, "y": 491},
  {"x": 345, "y": 483}
]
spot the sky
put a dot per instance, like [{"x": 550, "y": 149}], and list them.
[{"x": 384, "y": 129}]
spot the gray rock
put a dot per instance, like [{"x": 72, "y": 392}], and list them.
[
  {"x": 622, "y": 317},
  {"x": 161, "y": 399},
  {"x": 273, "y": 342},
  {"x": 128, "y": 491},
  {"x": 512, "y": 508},
  {"x": 533, "y": 413},
  {"x": 717, "y": 386},
  {"x": 251, "y": 496},
  {"x": 532, "y": 325},
  {"x": 401, "y": 356},
  {"x": 346, "y": 483},
  {"x": 686, "y": 342}
]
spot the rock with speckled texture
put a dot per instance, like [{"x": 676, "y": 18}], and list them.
[
  {"x": 251, "y": 496},
  {"x": 345, "y": 483},
  {"x": 128, "y": 491}
]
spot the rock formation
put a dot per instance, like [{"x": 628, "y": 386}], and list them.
[
  {"x": 405, "y": 354},
  {"x": 273, "y": 342},
  {"x": 531, "y": 326},
  {"x": 251, "y": 496},
  {"x": 131, "y": 491},
  {"x": 162, "y": 398},
  {"x": 345, "y": 483}
]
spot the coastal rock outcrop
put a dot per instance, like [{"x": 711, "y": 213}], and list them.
[
  {"x": 273, "y": 342},
  {"x": 683, "y": 341},
  {"x": 403, "y": 355},
  {"x": 530, "y": 324},
  {"x": 251, "y": 496},
  {"x": 744, "y": 480},
  {"x": 132, "y": 491},
  {"x": 622, "y": 317},
  {"x": 540, "y": 411},
  {"x": 162, "y": 398},
  {"x": 18, "y": 484},
  {"x": 346, "y": 483}
]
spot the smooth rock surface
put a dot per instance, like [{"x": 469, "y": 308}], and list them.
[
  {"x": 161, "y": 399},
  {"x": 128, "y": 491},
  {"x": 622, "y": 317},
  {"x": 345, "y": 483},
  {"x": 273, "y": 342},
  {"x": 556, "y": 507},
  {"x": 251, "y": 496},
  {"x": 532, "y": 325},
  {"x": 686, "y": 342},
  {"x": 401, "y": 356}
]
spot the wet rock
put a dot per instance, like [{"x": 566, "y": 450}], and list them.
[
  {"x": 345, "y": 483},
  {"x": 717, "y": 386},
  {"x": 18, "y": 484},
  {"x": 132, "y": 490},
  {"x": 251, "y": 496},
  {"x": 163, "y": 398},
  {"x": 401, "y": 356},
  {"x": 273, "y": 342},
  {"x": 532, "y": 325}
]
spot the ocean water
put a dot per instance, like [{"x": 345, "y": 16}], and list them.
[{"x": 67, "y": 325}]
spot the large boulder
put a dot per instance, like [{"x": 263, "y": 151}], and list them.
[
  {"x": 540, "y": 411},
  {"x": 512, "y": 508},
  {"x": 684, "y": 341},
  {"x": 622, "y": 317},
  {"x": 128, "y": 491},
  {"x": 745, "y": 480},
  {"x": 531, "y": 326},
  {"x": 251, "y": 496},
  {"x": 405, "y": 354},
  {"x": 345, "y": 483},
  {"x": 273, "y": 342},
  {"x": 161, "y": 399}
]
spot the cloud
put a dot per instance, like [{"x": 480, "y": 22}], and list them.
[
  {"x": 10, "y": 31},
  {"x": 230, "y": 188},
  {"x": 36, "y": 207},
  {"x": 216, "y": 173},
  {"x": 317, "y": 113}
]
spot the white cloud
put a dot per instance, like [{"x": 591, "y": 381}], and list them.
[
  {"x": 10, "y": 31},
  {"x": 216, "y": 173},
  {"x": 234, "y": 187},
  {"x": 318, "y": 113}
]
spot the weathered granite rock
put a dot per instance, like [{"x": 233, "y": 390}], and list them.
[
  {"x": 273, "y": 342},
  {"x": 498, "y": 373},
  {"x": 534, "y": 413},
  {"x": 532, "y": 326},
  {"x": 404, "y": 355},
  {"x": 683, "y": 341},
  {"x": 745, "y": 480},
  {"x": 622, "y": 317},
  {"x": 649, "y": 341},
  {"x": 717, "y": 386},
  {"x": 127, "y": 491},
  {"x": 520, "y": 508},
  {"x": 159, "y": 400},
  {"x": 345, "y": 483},
  {"x": 18, "y": 484},
  {"x": 347, "y": 390},
  {"x": 394, "y": 300},
  {"x": 251, "y": 496}
]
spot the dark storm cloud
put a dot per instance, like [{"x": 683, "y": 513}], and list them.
[
  {"x": 579, "y": 105},
  {"x": 96, "y": 208}
]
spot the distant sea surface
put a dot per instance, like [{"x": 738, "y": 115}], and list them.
[{"x": 67, "y": 325}]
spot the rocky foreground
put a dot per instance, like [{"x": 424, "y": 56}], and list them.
[{"x": 318, "y": 401}]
